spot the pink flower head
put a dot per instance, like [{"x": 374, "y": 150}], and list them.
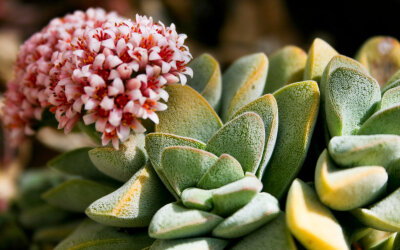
[{"x": 105, "y": 68}]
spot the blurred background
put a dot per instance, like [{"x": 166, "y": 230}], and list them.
[{"x": 227, "y": 29}]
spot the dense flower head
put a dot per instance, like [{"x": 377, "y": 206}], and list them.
[{"x": 98, "y": 67}]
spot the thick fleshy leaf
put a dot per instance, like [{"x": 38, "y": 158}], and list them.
[
  {"x": 310, "y": 221},
  {"x": 226, "y": 170},
  {"x": 393, "y": 82},
  {"x": 267, "y": 108},
  {"x": 381, "y": 56},
  {"x": 184, "y": 166},
  {"x": 33, "y": 182},
  {"x": 93, "y": 236},
  {"x": 197, "y": 198},
  {"x": 390, "y": 98},
  {"x": 335, "y": 63},
  {"x": 231, "y": 197},
  {"x": 42, "y": 216},
  {"x": 207, "y": 79},
  {"x": 191, "y": 243},
  {"x": 319, "y": 55},
  {"x": 353, "y": 229},
  {"x": 364, "y": 150},
  {"x": 133, "y": 204},
  {"x": 346, "y": 189},
  {"x": 55, "y": 234},
  {"x": 351, "y": 97},
  {"x": 376, "y": 239},
  {"x": 386, "y": 121},
  {"x": 77, "y": 162},
  {"x": 274, "y": 234},
  {"x": 155, "y": 145},
  {"x": 76, "y": 195},
  {"x": 188, "y": 114},
  {"x": 393, "y": 171},
  {"x": 243, "y": 138},
  {"x": 298, "y": 109},
  {"x": 174, "y": 221},
  {"x": 285, "y": 66},
  {"x": 260, "y": 210},
  {"x": 123, "y": 163},
  {"x": 243, "y": 82},
  {"x": 383, "y": 215}
]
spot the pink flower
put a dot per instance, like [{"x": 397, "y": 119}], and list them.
[{"x": 108, "y": 70}]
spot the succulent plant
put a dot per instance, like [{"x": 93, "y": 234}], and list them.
[{"x": 221, "y": 166}]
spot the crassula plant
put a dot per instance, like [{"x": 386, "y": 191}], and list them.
[{"x": 221, "y": 163}]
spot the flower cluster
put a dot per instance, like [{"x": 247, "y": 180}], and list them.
[{"x": 108, "y": 70}]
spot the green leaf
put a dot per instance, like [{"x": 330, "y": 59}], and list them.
[
  {"x": 188, "y": 114},
  {"x": 298, "y": 109},
  {"x": 243, "y": 138},
  {"x": 274, "y": 234},
  {"x": 390, "y": 98},
  {"x": 123, "y": 163},
  {"x": 76, "y": 195},
  {"x": 319, "y": 55},
  {"x": 77, "y": 162},
  {"x": 285, "y": 66},
  {"x": 378, "y": 240},
  {"x": 55, "y": 234},
  {"x": 259, "y": 211},
  {"x": 381, "y": 56},
  {"x": 364, "y": 150},
  {"x": 267, "y": 108},
  {"x": 225, "y": 170},
  {"x": 393, "y": 171},
  {"x": 33, "y": 182},
  {"x": 386, "y": 121},
  {"x": 92, "y": 236},
  {"x": 383, "y": 215},
  {"x": 133, "y": 204},
  {"x": 231, "y": 197},
  {"x": 393, "y": 82},
  {"x": 243, "y": 82},
  {"x": 174, "y": 221},
  {"x": 339, "y": 61},
  {"x": 42, "y": 216},
  {"x": 197, "y": 198},
  {"x": 207, "y": 79},
  {"x": 310, "y": 221},
  {"x": 155, "y": 145},
  {"x": 191, "y": 243},
  {"x": 346, "y": 189},
  {"x": 184, "y": 166},
  {"x": 351, "y": 97}
]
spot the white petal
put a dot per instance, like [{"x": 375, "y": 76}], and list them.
[
  {"x": 154, "y": 117},
  {"x": 189, "y": 72},
  {"x": 115, "y": 117},
  {"x": 139, "y": 127},
  {"x": 107, "y": 103},
  {"x": 123, "y": 132},
  {"x": 154, "y": 56},
  {"x": 96, "y": 81},
  {"x": 113, "y": 74},
  {"x": 91, "y": 104},
  {"x": 94, "y": 45},
  {"x": 101, "y": 124},
  {"x": 89, "y": 118},
  {"x": 113, "y": 61},
  {"x": 160, "y": 106},
  {"x": 98, "y": 61},
  {"x": 109, "y": 43},
  {"x": 129, "y": 107}
]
